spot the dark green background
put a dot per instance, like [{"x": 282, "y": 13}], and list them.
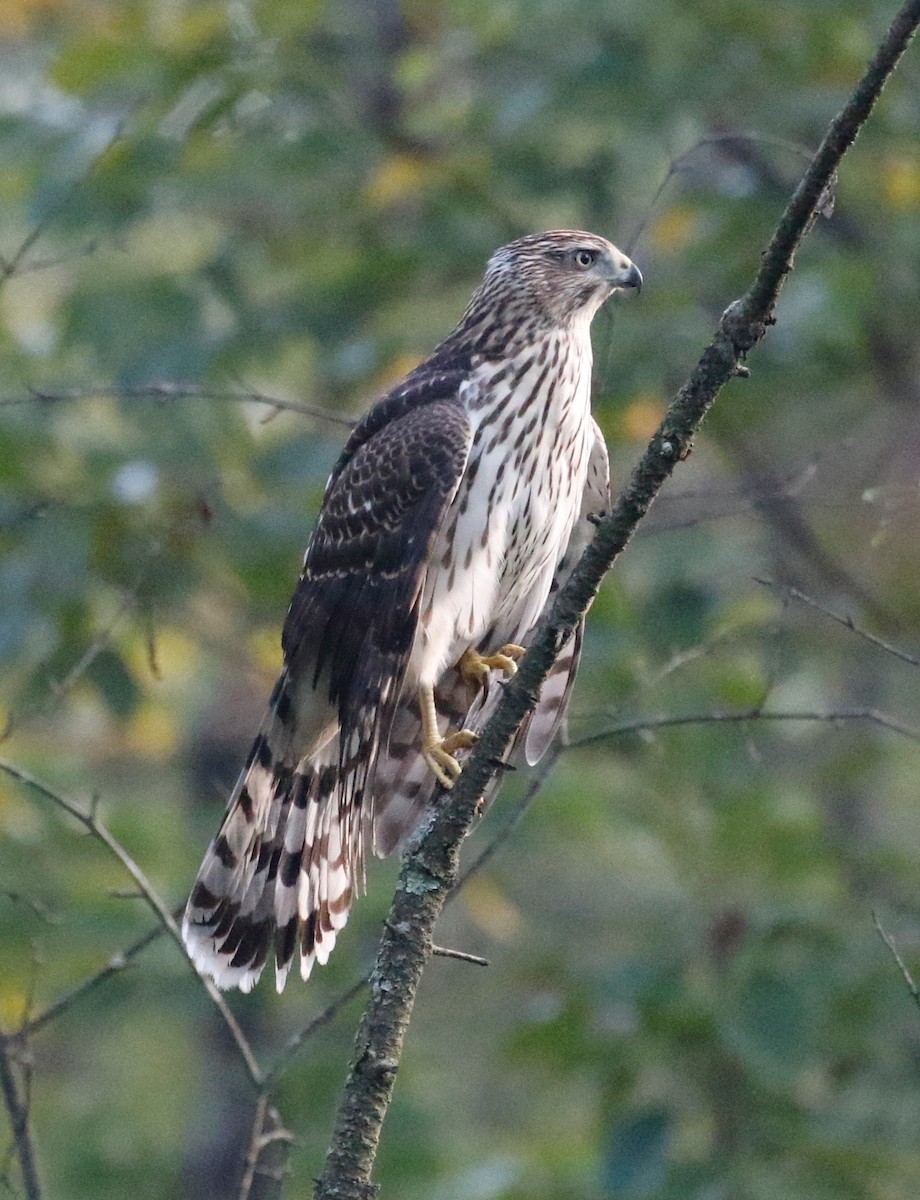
[{"x": 687, "y": 998}]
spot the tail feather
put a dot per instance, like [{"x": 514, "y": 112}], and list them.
[
  {"x": 403, "y": 782},
  {"x": 282, "y": 871},
  {"x": 554, "y": 699}
]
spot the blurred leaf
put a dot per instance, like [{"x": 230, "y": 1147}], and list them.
[
  {"x": 111, "y": 676},
  {"x": 635, "y": 1163}
]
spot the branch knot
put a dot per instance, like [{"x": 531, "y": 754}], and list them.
[{"x": 743, "y": 329}]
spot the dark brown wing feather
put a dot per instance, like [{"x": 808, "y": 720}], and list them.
[{"x": 353, "y": 617}]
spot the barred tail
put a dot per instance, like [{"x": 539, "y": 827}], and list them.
[{"x": 285, "y": 864}]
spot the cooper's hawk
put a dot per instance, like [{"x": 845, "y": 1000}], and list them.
[{"x": 459, "y": 503}]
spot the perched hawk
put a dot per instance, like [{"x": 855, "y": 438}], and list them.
[{"x": 458, "y": 505}]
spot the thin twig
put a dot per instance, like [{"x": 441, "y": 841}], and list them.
[
  {"x": 116, "y": 964},
  {"x": 707, "y": 142},
  {"x": 165, "y": 390},
  {"x": 35, "y": 906},
  {"x": 871, "y": 716},
  {"x": 102, "y": 640},
  {"x": 847, "y": 622},
  {"x": 890, "y": 943},
  {"x": 14, "y": 1085},
  {"x": 460, "y": 955},
  {"x": 14, "y": 265},
  {"x": 255, "y": 1147},
  {"x": 294, "y": 1043},
  {"x": 267, "y": 1131},
  {"x": 512, "y": 819}
]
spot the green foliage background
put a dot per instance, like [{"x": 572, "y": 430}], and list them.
[{"x": 687, "y": 997}]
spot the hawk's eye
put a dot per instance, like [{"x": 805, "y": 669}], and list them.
[{"x": 584, "y": 258}]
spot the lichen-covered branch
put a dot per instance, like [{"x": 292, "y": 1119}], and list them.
[{"x": 430, "y": 870}]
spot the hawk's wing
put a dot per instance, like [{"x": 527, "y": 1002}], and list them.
[
  {"x": 288, "y": 857},
  {"x": 353, "y": 618},
  {"x": 557, "y": 687}
]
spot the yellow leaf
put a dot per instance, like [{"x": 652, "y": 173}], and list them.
[
  {"x": 265, "y": 649},
  {"x": 901, "y": 181},
  {"x": 395, "y": 178},
  {"x": 152, "y": 732},
  {"x": 642, "y": 417},
  {"x": 173, "y": 242},
  {"x": 395, "y": 370},
  {"x": 176, "y": 655},
  {"x": 14, "y": 1004},
  {"x": 673, "y": 229},
  {"x": 491, "y": 909}
]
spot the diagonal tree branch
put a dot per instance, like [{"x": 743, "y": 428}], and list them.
[
  {"x": 430, "y": 869},
  {"x": 115, "y": 965}
]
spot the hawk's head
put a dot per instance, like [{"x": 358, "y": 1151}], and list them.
[
  {"x": 544, "y": 282},
  {"x": 561, "y": 275}
]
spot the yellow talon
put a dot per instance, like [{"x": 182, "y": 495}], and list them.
[
  {"x": 439, "y": 756},
  {"x": 437, "y": 751},
  {"x": 475, "y": 667}
]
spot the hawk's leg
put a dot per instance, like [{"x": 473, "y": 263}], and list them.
[
  {"x": 475, "y": 667},
  {"x": 438, "y": 751}
]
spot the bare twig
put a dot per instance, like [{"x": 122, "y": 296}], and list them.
[
  {"x": 165, "y": 390},
  {"x": 847, "y": 622},
  {"x": 460, "y": 955},
  {"x": 15, "y": 265},
  {"x": 268, "y": 1135},
  {"x": 280, "y": 1065},
  {"x": 870, "y": 716},
  {"x": 707, "y": 142},
  {"x": 100, "y": 642},
  {"x": 14, "y": 1085},
  {"x": 104, "y": 637},
  {"x": 430, "y": 870},
  {"x": 787, "y": 516},
  {"x": 114, "y": 966},
  {"x": 512, "y": 819},
  {"x": 35, "y": 906},
  {"x": 890, "y": 943}
]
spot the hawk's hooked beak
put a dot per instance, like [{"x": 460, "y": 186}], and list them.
[
  {"x": 628, "y": 276},
  {"x": 620, "y": 271}
]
